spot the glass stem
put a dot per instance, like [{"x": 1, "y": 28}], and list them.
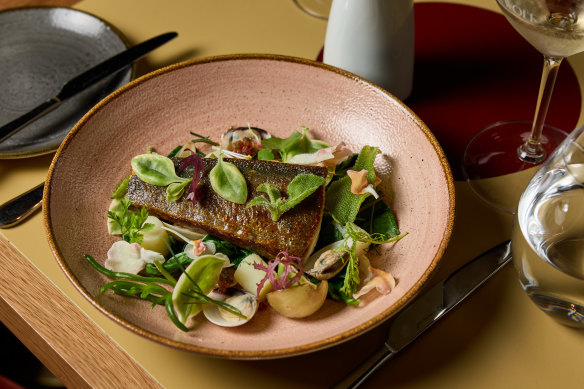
[{"x": 531, "y": 151}]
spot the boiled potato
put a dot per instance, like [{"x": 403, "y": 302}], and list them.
[
  {"x": 249, "y": 277},
  {"x": 156, "y": 239},
  {"x": 298, "y": 301}
]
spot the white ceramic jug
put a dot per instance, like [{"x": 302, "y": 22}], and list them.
[{"x": 375, "y": 40}]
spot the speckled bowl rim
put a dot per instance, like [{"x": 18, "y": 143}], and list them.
[
  {"x": 254, "y": 354},
  {"x": 51, "y": 149}
]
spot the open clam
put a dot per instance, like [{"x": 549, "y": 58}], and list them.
[
  {"x": 244, "y": 140},
  {"x": 332, "y": 258},
  {"x": 327, "y": 262},
  {"x": 245, "y": 302}
]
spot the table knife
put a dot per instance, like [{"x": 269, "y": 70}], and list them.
[
  {"x": 85, "y": 80},
  {"x": 429, "y": 307},
  {"x": 19, "y": 208}
]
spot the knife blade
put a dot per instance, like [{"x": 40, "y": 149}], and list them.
[
  {"x": 429, "y": 307},
  {"x": 84, "y": 80}
]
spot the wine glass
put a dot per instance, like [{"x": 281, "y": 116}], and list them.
[
  {"x": 548, "y": 234},
  {"x": 556, "y": 29},
  {"x": 317, "y": 8}
]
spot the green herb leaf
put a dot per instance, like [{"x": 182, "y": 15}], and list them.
[
  {"x": 146, "y": 288},
  {"x": 155, "y": 169},
  {"x": 228, "y": 182},
  {"x": 194, "y": 284},
  {"x": 171, "y": 265},
  {"x": 235, "y": 253},
  {"x": 357, "y": 234},
  {"x": 121, "y": 188},
  {"x": 340, "y": 202},
  {"x": 174, "y": 152},
  {"x": 335, "y": 291},
  {"x": 351, "y": 281},
  {"x": 203, "y": 139},
  {"x": 130, "y": 224},
  {"x": 273, "y": 193},
  {"x": 116, "y": 208},
  {"x": 297, "y": 143},
  {"x": 175, "y": 190},
  {"x": 266, "y": 155},
  {"x": 121, "y": 275},
  {"x": 377, "y": 218},
  {"x": 302, "y": 186}
]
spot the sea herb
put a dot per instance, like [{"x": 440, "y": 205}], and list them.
[
  {"x": 121, "y": 188},
  {"x": 203, "y": 139},
  {"x": 228, "y": 182},
  {"x": 302, "y": 186},
  {"x": 340, "y": 202},
  {"x": 155, "y": 169},
  {"x": 297, "y": 143}
]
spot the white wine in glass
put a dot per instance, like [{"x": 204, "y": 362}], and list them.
[{"x": 556, "y": 29}]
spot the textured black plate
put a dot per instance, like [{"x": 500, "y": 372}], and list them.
[{"x": 40, "y": 50}]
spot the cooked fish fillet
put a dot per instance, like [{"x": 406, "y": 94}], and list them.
[{"x": 249, "y": 227}]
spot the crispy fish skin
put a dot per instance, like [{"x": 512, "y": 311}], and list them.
[{"x": 248, "y": 227}]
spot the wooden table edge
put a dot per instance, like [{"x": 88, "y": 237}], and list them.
[{"x": 58, "y": 333}]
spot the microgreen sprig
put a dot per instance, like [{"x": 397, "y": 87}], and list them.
[
  {"x": 131, "y": 223},
  {"x": 203, "y": 139},
  {"x": 356, "y": 234}
]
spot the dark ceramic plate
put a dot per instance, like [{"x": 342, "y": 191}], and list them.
[{"x": 40, "y": 50}]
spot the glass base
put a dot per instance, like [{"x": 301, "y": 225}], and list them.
[
  {"x": 564, "y": 312},
  {"x": 317, "y": 8},
  {"x": 493, "y": 152}
]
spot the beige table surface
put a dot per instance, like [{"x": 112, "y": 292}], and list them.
[{"x": 496, "y": 338}]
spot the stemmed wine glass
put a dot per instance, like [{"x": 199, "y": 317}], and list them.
[
  {"x": 317, "y": 8},
  {"x": 556, "y": 29}
]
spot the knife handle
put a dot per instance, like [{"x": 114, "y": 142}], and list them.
[
  {"x": 20, "y": 122},
  {"x": 362, "y": 372},
  {"x": 14, "y": 211}
]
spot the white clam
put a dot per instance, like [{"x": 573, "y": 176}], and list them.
[
  {"x": 327, "y": 262},
  {"x": 235, "y": 135},
  {"x": 245, "y": 302},
  {"x": 331, "y": 259}
]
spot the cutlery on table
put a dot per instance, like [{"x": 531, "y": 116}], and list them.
[
  {"x": 19, "y": 208},
  {"x": 85, "y": 80},
  {"x": 429, "y": 307}
]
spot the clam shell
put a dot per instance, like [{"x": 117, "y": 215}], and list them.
[
  {"x": 321, "y": 272},
  {"x": 245, "y": 302}
]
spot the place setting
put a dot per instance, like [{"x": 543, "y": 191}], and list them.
[
  {"x": 196, "y": 206},
  {"x": 70, "y": 65}
]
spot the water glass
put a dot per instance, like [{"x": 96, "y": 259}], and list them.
[{"x": 548, "y": 234}]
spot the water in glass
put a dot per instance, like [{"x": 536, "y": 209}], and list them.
[{"x": 548, "y": 235}]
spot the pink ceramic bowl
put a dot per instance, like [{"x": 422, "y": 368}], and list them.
[{"x": 279, "y": 94}]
